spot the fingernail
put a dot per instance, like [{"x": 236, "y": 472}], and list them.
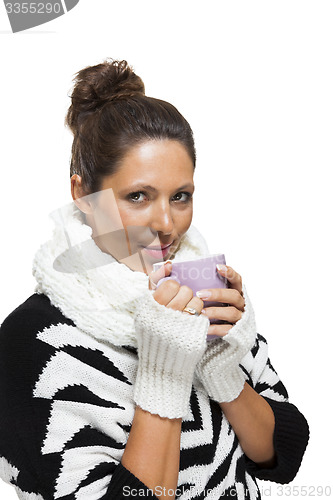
[
  {"x": 203, "y": 294},
  {"x": 167, "y": 262},
  {"x": 221, "y": 267},
  {"x": 203, "y": 311}
]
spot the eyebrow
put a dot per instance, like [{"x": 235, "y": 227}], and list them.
[{"x": 147, "y": 187}]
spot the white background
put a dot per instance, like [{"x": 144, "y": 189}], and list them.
[{"x": 255, "y": 80}]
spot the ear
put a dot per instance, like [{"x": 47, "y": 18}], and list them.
[{"x": 80, "y": 197}]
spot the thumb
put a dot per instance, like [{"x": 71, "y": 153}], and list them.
[{"x": 162, "y": 272}]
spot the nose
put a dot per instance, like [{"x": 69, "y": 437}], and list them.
[{"x": 162, "y": 220}]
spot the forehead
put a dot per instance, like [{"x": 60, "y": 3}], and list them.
[{"x": 161, "y": 161}]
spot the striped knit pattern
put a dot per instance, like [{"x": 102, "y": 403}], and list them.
[{"x": 66, "y": 403}]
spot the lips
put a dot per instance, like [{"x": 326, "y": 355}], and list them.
[
  {"x": 159, "y": 247},
  {"x": 156, "y": 252}
]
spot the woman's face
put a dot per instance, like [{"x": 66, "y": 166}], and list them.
[{"x": 143, "y": 210}]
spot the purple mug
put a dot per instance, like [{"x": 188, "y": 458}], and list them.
[{"x": 198, "y": 274}]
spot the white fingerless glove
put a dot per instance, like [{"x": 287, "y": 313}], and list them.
[
  {"x": 219, "y": 369},
  {"x": 170, "y": 343}
]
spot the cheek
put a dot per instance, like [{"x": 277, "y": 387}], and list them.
[
  {"x": 139, "y": 215},
  {"x": 133, "y": 217},
  {"x": 183, "y": 220},
  {"x": 107, "y": 215}
]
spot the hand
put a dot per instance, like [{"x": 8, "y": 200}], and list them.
[
  {"x": 219, "y": 369},
  {"x": 170, "y": 344},
  {"x": 232, "y": 296},
  {"x": 171, "y": 294}
]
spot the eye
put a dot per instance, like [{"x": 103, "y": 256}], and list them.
[
  {"x": 182, "y": 197},
  {"x": 140, "y": 197},
  {"x": 137, "y": 197}
]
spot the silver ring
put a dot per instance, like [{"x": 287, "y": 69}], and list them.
[{"x": 191, "y": 311}]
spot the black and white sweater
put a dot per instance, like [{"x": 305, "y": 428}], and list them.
[{"x": 66, "y": 406}]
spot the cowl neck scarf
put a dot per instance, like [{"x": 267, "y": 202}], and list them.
[{"x": 89, "y": 286}]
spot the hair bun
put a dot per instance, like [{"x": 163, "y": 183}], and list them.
[{"x": 94, "y": 86}]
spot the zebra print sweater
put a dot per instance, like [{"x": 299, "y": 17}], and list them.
[{"x": 66, "y": 412}]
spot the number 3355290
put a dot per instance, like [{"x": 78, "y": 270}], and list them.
[
  {"x": 33, "y": 8},
  {"x": 303, "y": 491}
]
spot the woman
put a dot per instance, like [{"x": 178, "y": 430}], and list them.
[{"x": 109, "y": 388}]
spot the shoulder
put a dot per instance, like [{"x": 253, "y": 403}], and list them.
[
  {"x": 33, "y": 315},
  {"x": 22, "y": 354}
]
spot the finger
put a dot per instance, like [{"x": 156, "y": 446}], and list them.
[
  {"x": 182, "y": 298},
  {"x": 166, "y": 292},
  {"x": 234, "y": 278},
  {"x": 196, "y": 304},
  {"x": 220, "y": 330},
  {"x": 224, "y": 295},
  {"x": 155, "y": 276},
  {"x": 230, "y": 314}
]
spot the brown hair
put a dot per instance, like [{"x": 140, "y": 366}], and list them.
[{"x": 110, "y": 114}]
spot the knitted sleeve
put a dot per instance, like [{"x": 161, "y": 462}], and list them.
[
  {"x": 291, "y": 433},
  {"x": 65, "y": 409}
]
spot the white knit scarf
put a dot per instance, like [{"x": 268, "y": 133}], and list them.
[{"x": 91, "y": 287}]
